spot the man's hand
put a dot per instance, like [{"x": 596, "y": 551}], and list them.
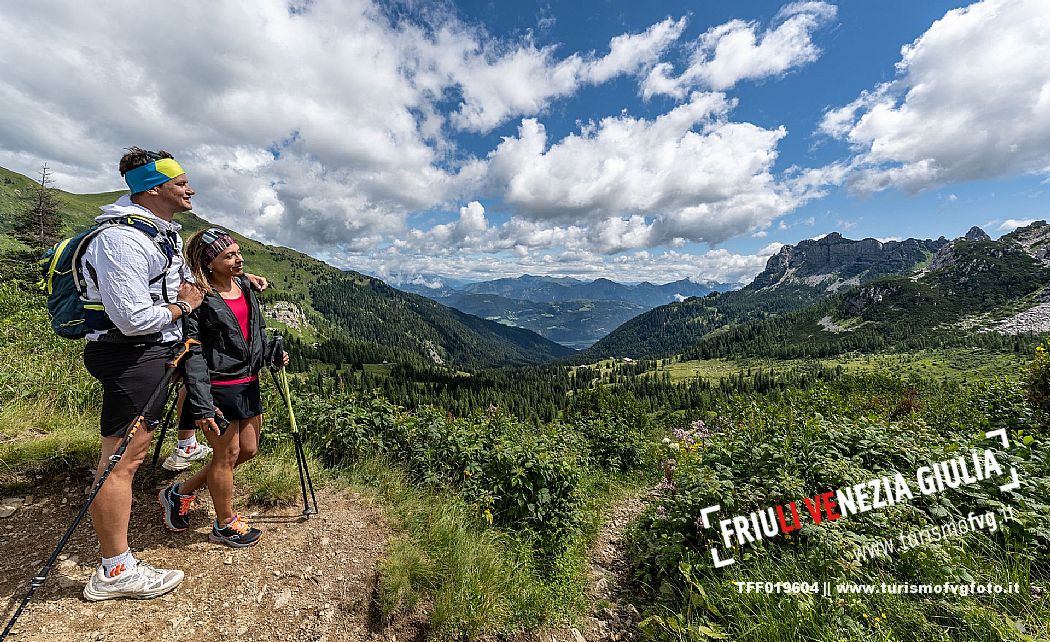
[
  {"x": 191, "y": 294},
  {"x": 259, "y": 283},
  {"x": 286, "y": 358}
]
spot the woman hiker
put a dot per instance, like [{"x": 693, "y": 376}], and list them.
[{"x": 221, "y": 378}]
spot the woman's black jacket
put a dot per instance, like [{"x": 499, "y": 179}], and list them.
[{"x": 224, "y": 352}]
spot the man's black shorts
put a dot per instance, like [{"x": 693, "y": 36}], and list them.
[{"x": 129, "y": 374}]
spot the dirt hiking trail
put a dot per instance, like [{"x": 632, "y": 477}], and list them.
[{"x": 306, "y": 580}]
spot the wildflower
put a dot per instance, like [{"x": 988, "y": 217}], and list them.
[
  {"x": 667, "y": 485},
  {"x": 467, "y": 473}
]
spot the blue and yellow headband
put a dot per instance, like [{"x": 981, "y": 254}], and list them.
[{"x": 152, "y": 174}]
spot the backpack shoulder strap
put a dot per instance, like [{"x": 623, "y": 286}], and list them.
[
  {"x": 162, "y": 240},
  {"x": 165, "y": 244}
]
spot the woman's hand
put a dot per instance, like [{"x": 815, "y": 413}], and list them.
[
  {"x": 286, "y": 358},
  {"x": 208, "y": 425}
]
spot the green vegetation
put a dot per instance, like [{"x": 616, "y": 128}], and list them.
[
  {"x": 475, "y": 579},
  {"x": 954, "y": 364},
  {"x": 381, "y": 315},
  {"x": 1037, "y": 379},
  {"x": 759, "y": 451}
]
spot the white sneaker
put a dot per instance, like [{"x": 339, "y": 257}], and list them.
[
  {"x": 181, "y": 459},
  {"x": 144, "y": 582}
]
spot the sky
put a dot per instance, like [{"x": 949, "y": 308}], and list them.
[{"x": 595, "y": 138}]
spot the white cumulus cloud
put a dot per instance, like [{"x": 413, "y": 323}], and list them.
[
  {"x": 688, "y": 174},
  {"x": 729, "y": 53},
  {"x": 971, "y": 101},
  {"x": 498, "y": 84},
  {"x": 1011, "y": 224}
]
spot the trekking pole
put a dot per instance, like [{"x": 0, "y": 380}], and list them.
[
  {"x": 165, "y": 423},
  {"x": 41, "y": 577},
  {"x": 280, "y": 380}
]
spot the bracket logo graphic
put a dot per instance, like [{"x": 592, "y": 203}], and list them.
[{"x": 873, "y": 494}]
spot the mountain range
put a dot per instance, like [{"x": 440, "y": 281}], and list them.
[
  {"x": 964, "y": 284},
  {"x": 570, "y": 311},
  {"x": 815, "y": 298}
]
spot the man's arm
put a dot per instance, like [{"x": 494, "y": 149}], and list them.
[
  {"x": 259, "y": 283},
  {"x": 122, "y": 269}
]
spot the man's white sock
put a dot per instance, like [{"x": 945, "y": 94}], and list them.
[
  {"x": 188, "y": 444},
  {"x": 114, "y": 566}
]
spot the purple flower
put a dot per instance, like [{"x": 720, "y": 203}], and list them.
[{"x": 667, "y": 485}]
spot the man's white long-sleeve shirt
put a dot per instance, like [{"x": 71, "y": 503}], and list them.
[{"x": 124, "y": 260}]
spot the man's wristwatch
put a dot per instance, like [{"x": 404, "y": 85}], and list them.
[{"x": 185, "y": 307}]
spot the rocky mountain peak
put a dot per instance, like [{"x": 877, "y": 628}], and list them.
[
  {"x": 977, "y": 234},
  {"x": 834, "y": 258}
]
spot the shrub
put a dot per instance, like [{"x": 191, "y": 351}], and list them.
[
  {"x": 1037, "y": 381},
  {"x": 767, "y": 451},
  {"x": 515, "y": 475},
  {"x": 616, "y": 427}
]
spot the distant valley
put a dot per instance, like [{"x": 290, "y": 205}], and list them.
[{"x": 572, "y": 312}]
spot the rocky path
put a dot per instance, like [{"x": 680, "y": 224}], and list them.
[
  {"x": 612, "y": 615},
  {"x": 307, "y": 580}
]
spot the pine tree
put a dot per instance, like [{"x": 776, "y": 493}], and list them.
[{"x": 40, "y": 225}]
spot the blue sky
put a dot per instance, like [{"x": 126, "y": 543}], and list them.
[
  {"x": 858, "y": 52},
  {"x": 635, "y": 141}
]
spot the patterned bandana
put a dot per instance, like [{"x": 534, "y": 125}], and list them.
[{"x": 217, "y": 241}]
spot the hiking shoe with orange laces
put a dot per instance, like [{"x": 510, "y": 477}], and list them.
[
  {"x": 142, "y": 582},
  {"x": 176, "y": 508},
  {"x": 237, "y": 533}
]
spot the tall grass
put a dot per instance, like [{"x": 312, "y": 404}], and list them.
[
  {"x": 36, "y": 365},
  {"x": 474, "y": 578},
  {"x": 272, "y": 477},
  {"x": 48, "y": 401}
]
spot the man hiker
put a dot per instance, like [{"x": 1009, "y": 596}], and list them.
[{"x": 139, "y": 278}]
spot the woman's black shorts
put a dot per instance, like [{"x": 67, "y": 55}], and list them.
[
  {"x": 129, "y": 373},
  {"x": 237, "y": 401}
]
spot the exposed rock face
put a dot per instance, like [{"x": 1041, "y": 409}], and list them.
[
  {"x": 858, "y": 300},
  {"x": 285, "y": 312},
  {"x": 1035, "y": 239},
  {"x": 977, "y": 234},
  {"x": 845, "y": 259},
  {"x": 1031, "y": 321}
]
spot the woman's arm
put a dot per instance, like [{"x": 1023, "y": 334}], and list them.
[{"x": 199, "y": 402}]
